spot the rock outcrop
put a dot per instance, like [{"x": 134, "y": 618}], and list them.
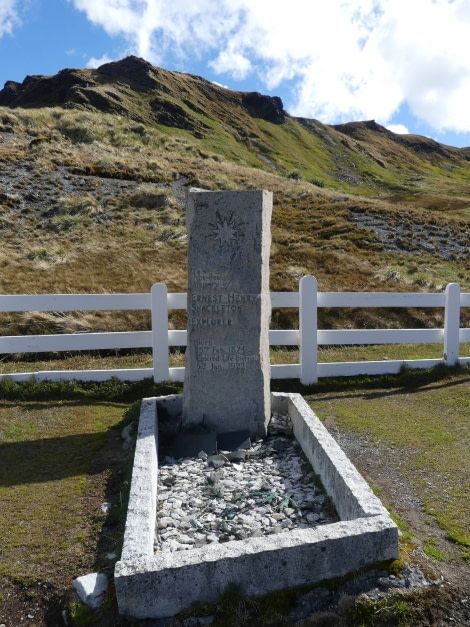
[{"x": 269, "y": 108}]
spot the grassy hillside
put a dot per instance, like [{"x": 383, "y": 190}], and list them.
[{"x": 94, "y": 165}]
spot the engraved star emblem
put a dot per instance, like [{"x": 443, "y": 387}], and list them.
[{"x": 226, "y": 231}]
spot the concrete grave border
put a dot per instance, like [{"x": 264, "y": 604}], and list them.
[{"x": 150, "y": 585}]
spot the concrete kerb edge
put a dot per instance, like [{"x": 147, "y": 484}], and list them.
[
  {"x": 350, "y": 493},
  {"x": 141, "y": 510},
  {"x": 153, "y": 586},
  {"x": 139, "y": 531}
]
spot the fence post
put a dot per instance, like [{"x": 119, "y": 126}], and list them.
[
  {"x": 308, "y": 330},
  {"x": 159, "y": 304},
  {"x": 452, "y": 324}
]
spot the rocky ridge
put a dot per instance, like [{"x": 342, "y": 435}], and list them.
[
  {"x": 112, "y": 88},
  {"x": 139, "y": 91}
]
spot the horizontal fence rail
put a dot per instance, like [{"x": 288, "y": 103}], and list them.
[
  {"x": 307, "y": 337},
  {"x": 75, "y": 302}
]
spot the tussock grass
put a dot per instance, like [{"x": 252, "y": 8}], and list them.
[
  {"x": 150, "y": 197},
  {"x": 46, "y": 256},
  {"x": 73, "y": 205},
  {"x": 44, "y": 322}
]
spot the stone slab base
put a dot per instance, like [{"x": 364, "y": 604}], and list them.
[{"x": 152, "y": 585}]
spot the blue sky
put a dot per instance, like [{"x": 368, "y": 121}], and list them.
[{"x": 404, "y": 63}]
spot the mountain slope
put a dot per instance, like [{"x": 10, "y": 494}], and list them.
[
  {"x": 94, "y": 165},
  {"x": 359, "y": 157}
]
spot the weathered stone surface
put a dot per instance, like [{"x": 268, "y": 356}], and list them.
[{"x": 227, "y": 357}]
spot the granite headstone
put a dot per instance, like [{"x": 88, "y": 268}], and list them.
[{"x": 227, "y": 374}]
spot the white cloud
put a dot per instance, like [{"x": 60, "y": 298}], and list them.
[
  {"x": 346, "y": 59},
  {"x": 399, "y": 129},
  {"x": 155, "y": 28},
  {"x": 240, "y": 65},
  {"x": 94, "y": 62},
  {"x": 428, "y": 54},
  {"x": 8, "y": 16}
]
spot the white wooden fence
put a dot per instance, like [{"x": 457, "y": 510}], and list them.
[{"x": 307, "y": 337}]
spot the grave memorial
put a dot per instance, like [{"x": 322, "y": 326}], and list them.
[
  {"x": 226, "y": 393},
  {"x": 227, "y": 371}
]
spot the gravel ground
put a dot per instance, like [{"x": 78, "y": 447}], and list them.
[{"x": 440, "y": 241}]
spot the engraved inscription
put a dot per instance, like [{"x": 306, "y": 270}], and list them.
[
  {"x": 229, "y": 298},
  {"x": 216, "y": 309},
  {"x": 210, "y": 322},
  {"x": 232, "y": 357},
  {"x": 212, "y": 280}
]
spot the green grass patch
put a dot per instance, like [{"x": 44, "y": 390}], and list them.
[
  {"x": 381, "y": 352},
  {"x": 48, "y": 451},
  {"x": 81, "y": 614},
  {"x": 77, "y": 361},
  {"x": 426, "y": 422},
  {"x": 61, "y": 457},
  {"x": 393, "y": 610},
  {"x": 404, "y": 528},
  {"x": 430, "y": 548},
  {"x": 428, "y": 273}
]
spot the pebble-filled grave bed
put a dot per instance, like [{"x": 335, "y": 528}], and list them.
[{"x": 269, "y": 488}]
